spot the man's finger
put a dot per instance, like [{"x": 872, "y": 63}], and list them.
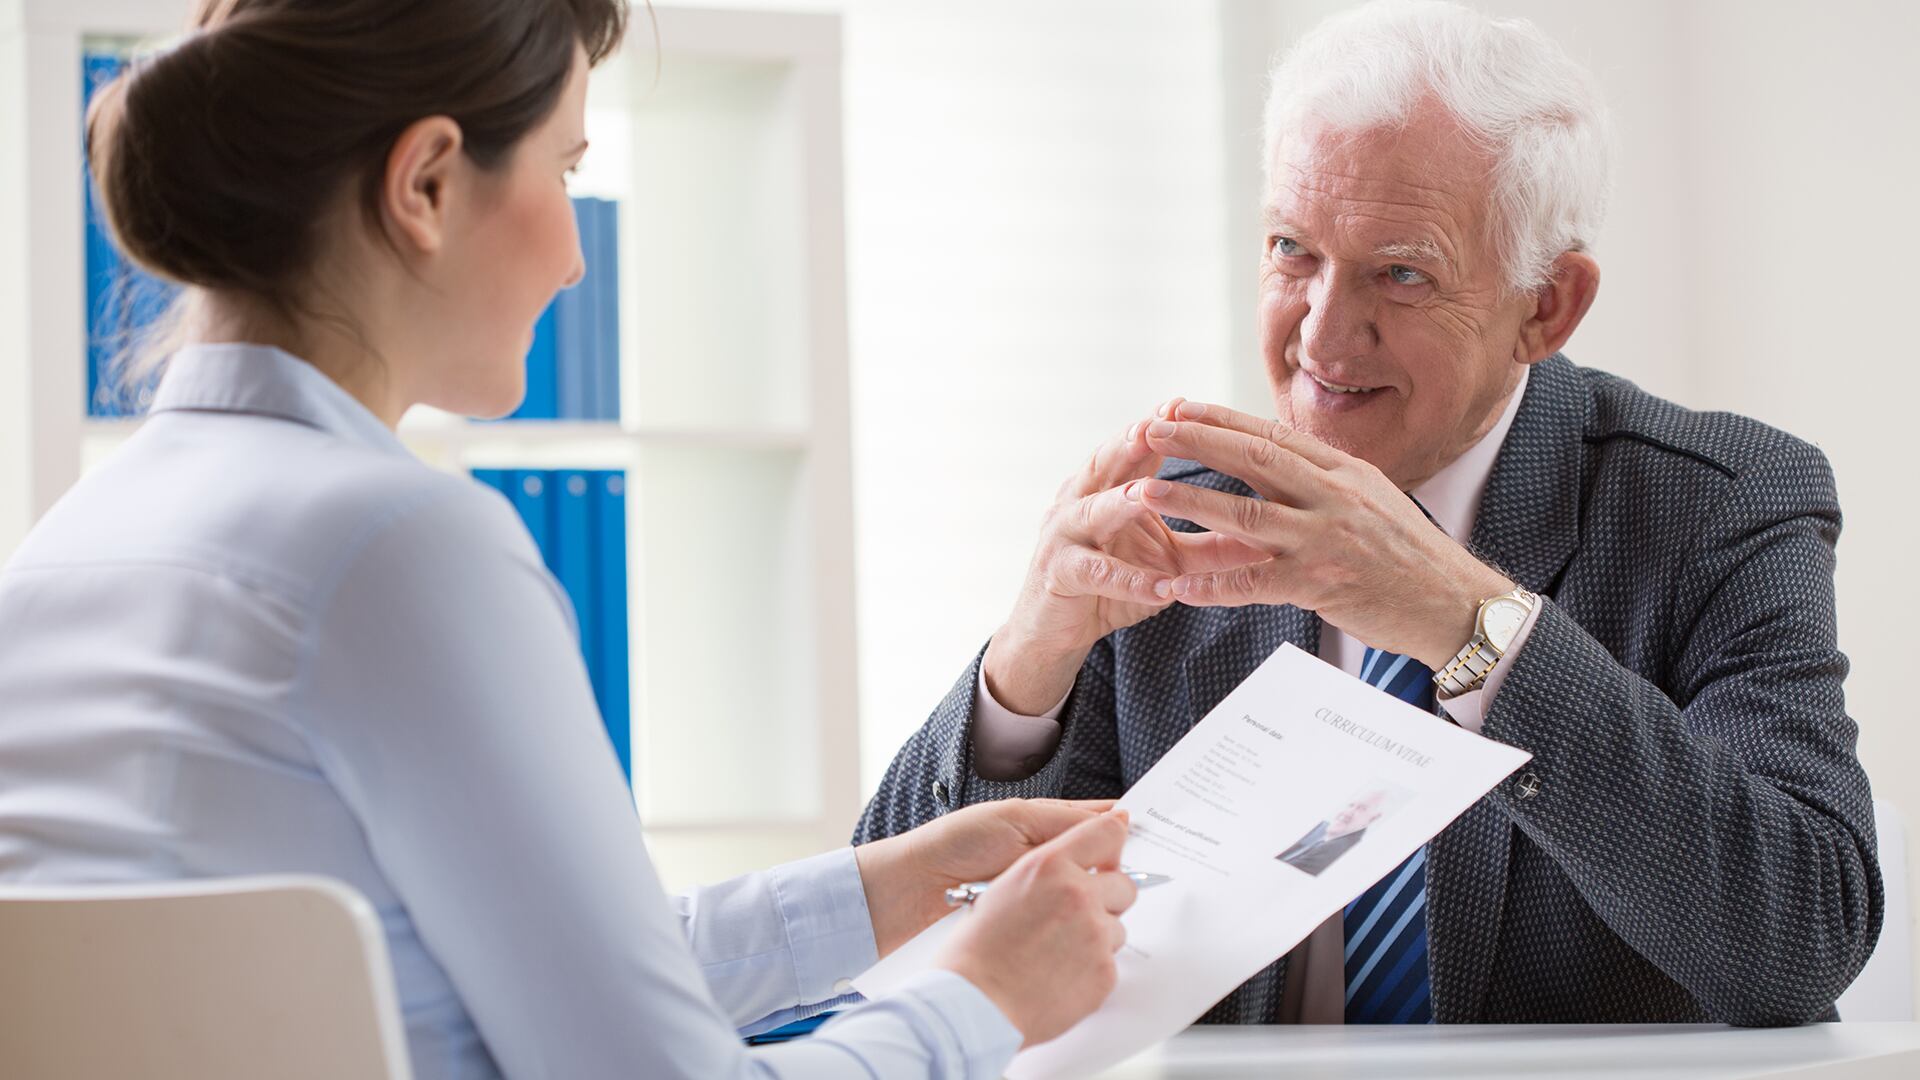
[
  {"x": 1278, "y": 431},
  {"x": 1263, "y": 583},
  {"x": 1096, "y": 842},
  {"x": 1083, "y": 571},
  {"x": 1104, "y": 514},
  {"x": 1269, "y": 526},
  {"x": 1125, "y": 457},
  {"x": 1198, "y": 552},
  {"x": 1274, "y": 471}
]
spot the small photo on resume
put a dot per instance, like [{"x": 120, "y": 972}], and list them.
[{"x": 1343, "y": 829}]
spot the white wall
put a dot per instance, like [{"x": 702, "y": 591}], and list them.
[
  {"x": 1037, "y": 259},
  {"x": 1802, "y": 151},
  {"x": 16, "y": 389}
]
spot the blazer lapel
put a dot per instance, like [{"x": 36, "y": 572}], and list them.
[
  {"x": 1529, "y": 526},
  {"x": 1529, "y": 519}
]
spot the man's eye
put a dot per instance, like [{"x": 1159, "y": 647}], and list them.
[
  {"x": 1286, "y": 245},
  {"x": 1406, "y": 275}
]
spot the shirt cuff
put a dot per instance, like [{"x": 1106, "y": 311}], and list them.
[
  {"x": 1469, "y": 710},
  {"x": 829, "y": 929},
  {"x": 960, "y": 1029},
  {"x": 1006, "y": 744}
]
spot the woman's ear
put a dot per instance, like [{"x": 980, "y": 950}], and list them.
[
  {"x": 414, "y": 191},
  {"x": 1559, "y": 305}
]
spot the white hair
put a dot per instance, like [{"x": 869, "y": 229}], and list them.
[{"x": 1516, "y": 93}]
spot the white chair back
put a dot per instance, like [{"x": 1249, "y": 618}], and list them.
[
  {"x": 226, "y": 979},
  {"x": 1884, "y": 990}
]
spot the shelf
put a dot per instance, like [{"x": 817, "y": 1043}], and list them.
[
  {"x": 714, "y": 263},
  {"x": 456, "y": 444},
  {"x": 725, "y": 647},
  {"x": 548, "y": 433}
]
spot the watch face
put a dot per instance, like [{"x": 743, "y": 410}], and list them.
[{"x": 1500, "y": 621}]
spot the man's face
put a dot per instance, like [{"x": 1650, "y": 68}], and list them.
[
  {"x": 1378, "y": 274},
  {"x": 1356, "y": 815}
]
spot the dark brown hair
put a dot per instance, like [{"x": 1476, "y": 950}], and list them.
[{"x": 217, "y": 158}]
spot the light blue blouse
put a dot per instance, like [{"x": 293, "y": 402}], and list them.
[{"x": 264, "y": 637}]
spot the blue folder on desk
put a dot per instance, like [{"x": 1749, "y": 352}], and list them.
[{"x": 785, "y": 1032}]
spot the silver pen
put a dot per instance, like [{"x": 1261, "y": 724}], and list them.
[{"x": 964, "y": 895}]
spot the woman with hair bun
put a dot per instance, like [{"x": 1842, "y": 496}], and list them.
[{"x": 265, "y": 638}]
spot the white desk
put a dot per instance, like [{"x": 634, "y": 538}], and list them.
[{"x": 1563, "y": 1052}]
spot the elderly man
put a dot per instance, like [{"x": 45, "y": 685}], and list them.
[{"x": 1640, "y": 595}]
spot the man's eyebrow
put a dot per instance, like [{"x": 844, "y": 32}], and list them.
[
  {"x": 1425, "y": 251},
  {"x": 1413, "y": 251},
  {"x": 1275, "y": 221}
]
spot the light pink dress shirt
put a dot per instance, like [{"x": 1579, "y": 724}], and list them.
[{"x": 1003, "y": 740}]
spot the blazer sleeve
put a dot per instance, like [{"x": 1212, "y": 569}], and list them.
[
  {"x": 934, "y": 773},
  {"x": 1724, "y": 827}
]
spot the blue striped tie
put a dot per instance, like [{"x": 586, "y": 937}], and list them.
[{"x": 1387, "y": 927}]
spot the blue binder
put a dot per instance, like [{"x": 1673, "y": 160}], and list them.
[
  {"x": 573, "y": 540},
  {"x": 611, "y": 677},
  {"x": 574, "y": 329},
  {"x": 499, "y": 480},
  {"x": 607, "y": 304},
  {"x": 530, "y": 490},
  {"x": 542, "y": 372},
  {"x": 103, "y": 261},
  {"x": 799, "y": 1029},
  {"x": 122, "y": 300},
  {"x": 593, "y": 248}
]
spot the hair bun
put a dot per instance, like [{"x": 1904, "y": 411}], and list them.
[{"x": 181, "y": 189}]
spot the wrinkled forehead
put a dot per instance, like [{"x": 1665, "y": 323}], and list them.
[{"x": 1420, "y": 183}]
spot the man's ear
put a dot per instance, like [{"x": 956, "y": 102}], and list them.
[
  {"x": 1559, "y": 305},
  {"x": 415, "y": 188}
]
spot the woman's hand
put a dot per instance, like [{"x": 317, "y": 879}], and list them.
[
  {"x": 906, "y": 876},
  {"x": 1040, "y": 943}
]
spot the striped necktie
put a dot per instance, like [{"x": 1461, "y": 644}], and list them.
[{"x": 1387, "y": 926}]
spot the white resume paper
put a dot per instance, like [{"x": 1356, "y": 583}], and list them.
[{"x": 1292, "y": 797}]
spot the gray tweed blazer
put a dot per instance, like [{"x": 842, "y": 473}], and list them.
[{"x": 1693, "y": 839}]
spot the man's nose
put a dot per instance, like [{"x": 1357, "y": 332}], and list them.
[
  {"x": 579, "y": 271},
  {"x": 1339, "y": 324}
]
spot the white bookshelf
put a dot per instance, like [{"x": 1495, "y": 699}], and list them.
[{"x": 733, "y": 428}]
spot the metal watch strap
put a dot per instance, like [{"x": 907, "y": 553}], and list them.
[
  {"x": 1469, "y": 668},
  {"x": 1474, "y": 661}
]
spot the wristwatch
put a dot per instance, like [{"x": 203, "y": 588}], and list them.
[{"x": 1494, "y": 629}]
